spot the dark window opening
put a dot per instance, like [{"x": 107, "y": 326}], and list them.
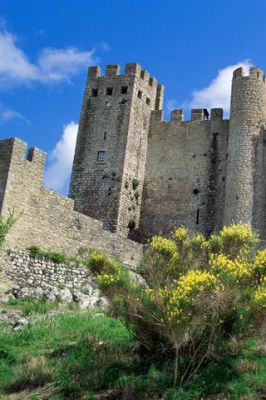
[
  {"x": 104, "y": 135},
  {"x": 196, "y": 191},
  {"x": 94, "y": 92},
  {"x": 139, "y": 94},
  {"x": 197, "y": 218},
  {"x": 101, "y": 156},
  {"x": 150, "y": 81},
  {"x": 142, "y": 74},
  {"x": 109, "y": 91},
  {"x": 124, "y": 90},
  {"x": 148, "y": 101}
]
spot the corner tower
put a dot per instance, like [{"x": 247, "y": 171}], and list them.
[
  {"x": 245, "y": 178},
  {"x": 109, "y": 163}
]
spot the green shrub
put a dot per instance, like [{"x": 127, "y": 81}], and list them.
[
  {"x": 137, "y": 195},
  {"x": 135, "y": 183},
  {"x": 131, "y": 223},
  {"x": 6, "y": 224},
  {"x": 56, "y": 257},
  {"x": 201, "y": 294}
]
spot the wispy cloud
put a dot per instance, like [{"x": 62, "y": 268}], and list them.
[
  {"x": 7, "y": 115},
  {"x": 52, "y": 65},
  {"x": 216, "y": 94},
  {"x": 60, "y": 159}
]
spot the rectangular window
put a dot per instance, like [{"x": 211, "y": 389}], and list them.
[
  {"x": 124, "y": 90},
  {"x": 94, "y": 92},
  {"x": 139, "y": 94},
  {"x": 109, "y": 91},
  {"x": 104, "y": 135},
  {"x": 101, "y": 156},
  {"x": 148, "y": 101},
  {"x": 197, "y": 218},
  {"x": 151, "y": 81},
  {"x": 142, "y": 74}
]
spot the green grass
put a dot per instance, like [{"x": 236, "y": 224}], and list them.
[
  {"x": 53, "y": 350},
  {"x": 78, "y": 353}
]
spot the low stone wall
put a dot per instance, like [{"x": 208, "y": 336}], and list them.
[{"x": 42, "y": 278}]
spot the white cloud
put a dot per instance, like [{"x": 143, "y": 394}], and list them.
[
  {"x": 172, "y": 104},
  {"x": 60, "y": 64},
  {"x": 218, "y": 92},
  {"x": 7, "y": 115},
  {"x": 52, "y": 65},
  {"x": 60, "y": 159}
]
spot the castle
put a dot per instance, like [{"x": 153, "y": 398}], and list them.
[{"x": 135, "y": 175}]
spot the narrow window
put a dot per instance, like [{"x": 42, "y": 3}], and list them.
[
  {"x": 139, "y": 94},
  {"x": 101, "y": 155},
  {"x": 109, "y": 91},
  {"x": 148, "y": 101},
  {"x": 124, "y": 90},
  {"x": 142, "y": 74},
  {"x": 197, "y": 218},
  {"x": 150, "y": 81},
  {"x": 94, "y": 92},
  {"x": 104, "y": 135}
]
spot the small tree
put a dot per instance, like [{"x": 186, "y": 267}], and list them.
[
  {"x": 201, "y": 299},
  {"x": 5, "y": 225}
]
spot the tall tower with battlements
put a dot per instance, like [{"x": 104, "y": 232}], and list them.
[
  {"x": 246, "y": 158},
  {"x": 109, "y": 163}
]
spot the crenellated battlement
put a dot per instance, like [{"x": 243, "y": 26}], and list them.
[
  {"x": 197, "y": 115},
  {"x": 254, "y": 73},
  {"x": 130, "y": 70},
  {"x": 16, "y": 151}
]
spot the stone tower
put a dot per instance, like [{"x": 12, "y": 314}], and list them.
[
  {"x": 109, "y": 163},
  {"x": 245, "y": 177}
]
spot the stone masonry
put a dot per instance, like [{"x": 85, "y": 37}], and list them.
[{"x": 135, "y": 175}]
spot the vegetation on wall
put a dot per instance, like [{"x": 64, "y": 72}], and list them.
[
  {"x": 6, "y": 224},
  {"x": 131, "y": 185}
]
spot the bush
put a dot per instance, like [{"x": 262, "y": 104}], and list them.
[
  {"x": 135, "y": 183},
  {"x": 202, "y": 297},
  {"x": 56, "y": 257},
  {"x": 131, "y": 223}
]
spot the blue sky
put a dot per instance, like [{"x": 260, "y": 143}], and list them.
[{"x": 47, "y": 45}]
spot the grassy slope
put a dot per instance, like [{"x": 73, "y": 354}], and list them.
[{"x": 73, "y": 352}]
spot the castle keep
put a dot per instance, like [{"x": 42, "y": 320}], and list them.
[
  {"x": 133, "y": 169},
  {"x": 135, "y": 175}
]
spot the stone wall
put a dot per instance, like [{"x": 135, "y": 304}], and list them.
[
  {"x": 185, "y": 173},
  {"x": 47, "y": 219},
  {"x": 44, "y": 279}
]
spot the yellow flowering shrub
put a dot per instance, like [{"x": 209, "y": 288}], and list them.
[
  {"x": 179, "y": 299},
  {"x": 226, "y": 268},
  {"x": 259, "y": 267},
  {"x": 260, "y": 296},
  {"x": 107, "y": 271},
  {"x": 199, "y": 294},
  {"x": 181, "y": 235},
  {"x": 99, "y": 262},
  {"x": 198, "y": 242},
  {"x": 163, "y": 247}
]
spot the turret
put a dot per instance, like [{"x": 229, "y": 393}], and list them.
[
  {"x": 110, "y": 156},
  {"x": 245, "y": 186}
]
